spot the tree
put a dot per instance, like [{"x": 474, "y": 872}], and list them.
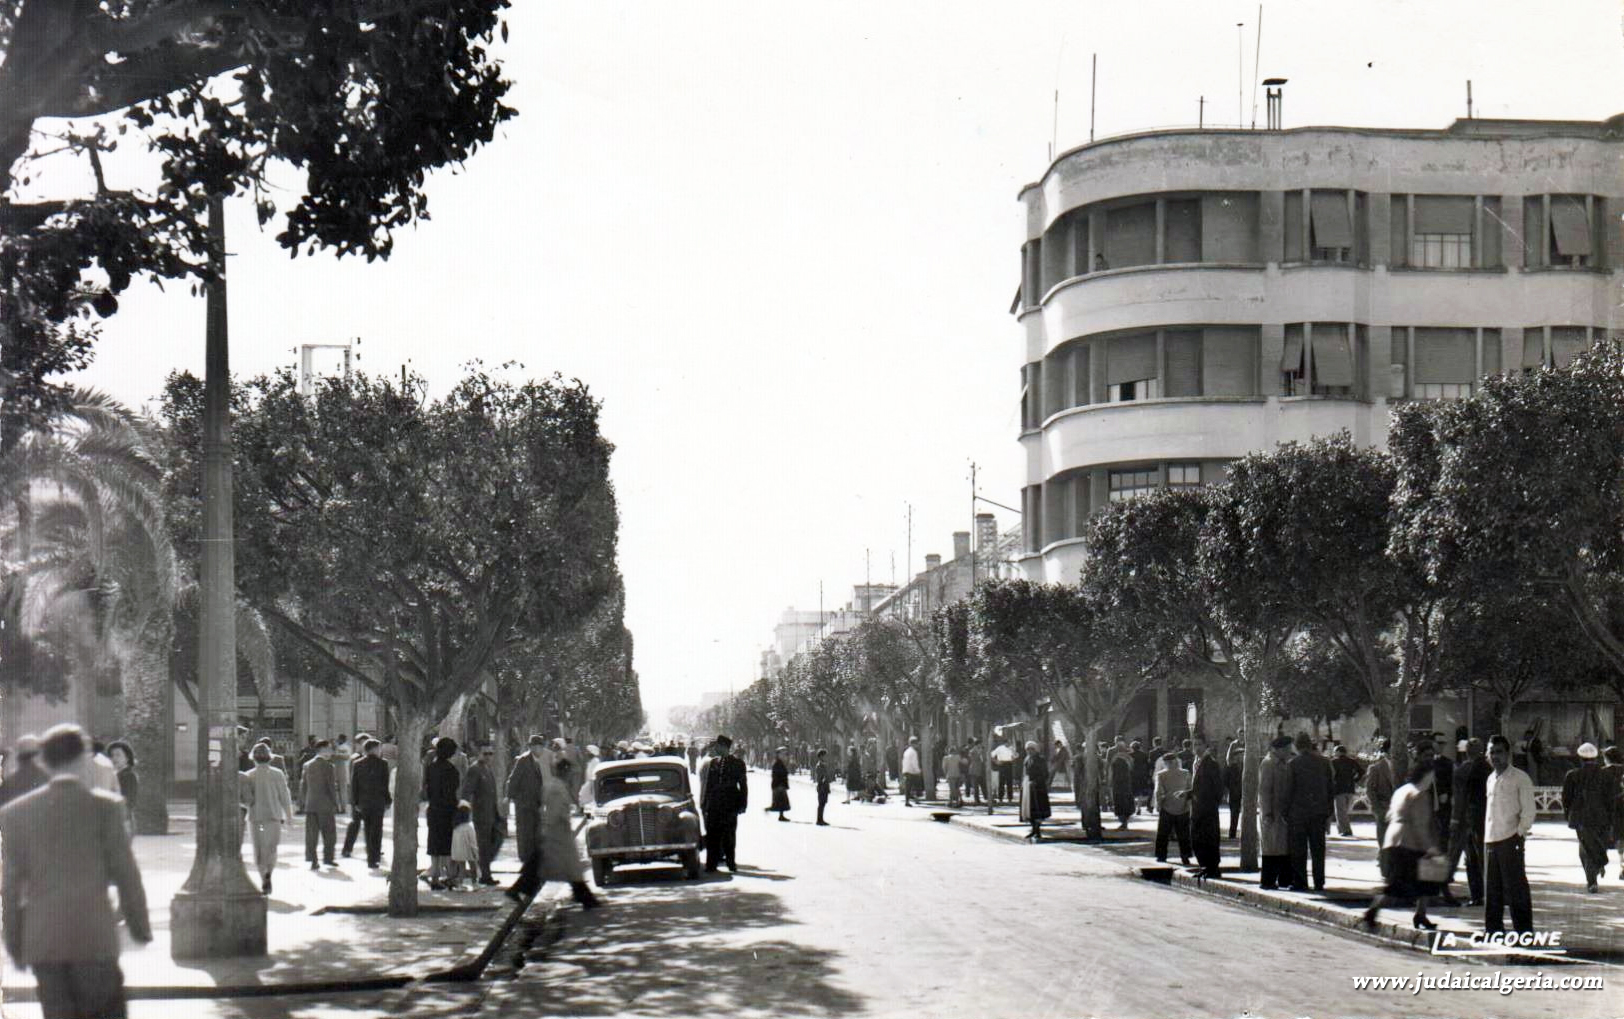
[
  {"x": 362, "y": 97},
  {"x": 1319, "y": 682},
  {"x": 897, "y": 661},
  {"x": 1530, "y": 489},
  {"x": 368, "y": 532}
]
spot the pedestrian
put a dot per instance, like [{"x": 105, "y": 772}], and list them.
[
  {"x": 780, "y": 784},
  {"x": 952, "y": 770},
  {"x": 307, "y": 753},
  {"x": 589, "y": 776},
  {"x": 122, "y": 756},
  {"x": 1122, "y": 783},
  {"x": 1171, "y": 793},
  {"x": 1614, "y": 768},
  {"x": 913, "y": 775},
  {"x": 1206, "y": 792},
  {"x": 343, "y": 757},
  {"x": 1412, "y": 836},
  {"x": 1442, "y": 793},
  {"x": 975, "y": 769},
  {"x": 440, "y": 782},
  {"x": 1466, "y": 819},
  {"x": 1589, "y": 802},
  {"x": 854, "y": 773},
  {"x": 28, "y": 775},
  {"x": 723, "y": 795},
  {"x": 348, "y": 803},
  {"x": 1379, "y": 786},
  {"x": 270, "y": 806},
  {"x": 1308, "y": 812},
  {"x": 1345, "y": 774},
  {"x": 320, "y": 784},
  {"x": 1509, "y": 817},
  {"x": 1003, "y": 758},
  {"x": 464, "y": 846},
  {"x": 1234, "y": 769},
  {"x": 524, "y": 791},
  {"x": 478, "y": 790},
  {"x": 1059, "y": 764},
  {"x": 821, "y": 777},
  {"x": 64, "y": 843},
  {"x": 1273, "y": 806},
  {"x": 369, "y": 793},
  {"x": 100, "y": 773},
  {"x": 1144, "y": 784},
  {"x": 1186, "y": 755},
  {"x": 693, "y": 757},
  {"x": 555, "y": 856},
  {"x": 1034, "y": 790}
]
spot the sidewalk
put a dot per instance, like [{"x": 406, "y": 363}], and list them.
[
  {"x": 1592, "y": 926},
  {"x": 324, "y": 928}
]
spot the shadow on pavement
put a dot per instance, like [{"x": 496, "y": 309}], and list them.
[{"x": 682, "y": 951}]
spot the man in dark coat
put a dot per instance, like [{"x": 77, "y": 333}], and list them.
[
  {"x": 1345, "y": 774},
  {"x": 479, "y": 790},
  {"x": 1143, "y": 783},
  {"x": 1614, "y": 769},
  {"x": 1122, "y": 783},
  {"x": 724, "y": 794},
  {"x": 28, "y": 776},
  {"x": 1206, "y": 793},
  {"x": 524, "y": 789},
  {"x": 369, "y": 791},
  {"x": 1308, "y": 808},
  {"x": 1470, "y": 801},
  {"x": 1234, "y": 766},
  {"x": 1589, "y": 801}
]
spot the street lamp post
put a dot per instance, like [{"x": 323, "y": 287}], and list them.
[{"x": 218, "y": 912}]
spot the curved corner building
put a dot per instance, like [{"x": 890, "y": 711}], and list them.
[{"x": 1190, "y": 296}]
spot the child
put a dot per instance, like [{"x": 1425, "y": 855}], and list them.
[{"x": 464, "y": 845}]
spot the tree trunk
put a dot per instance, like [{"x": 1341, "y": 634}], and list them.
[
  {"x": 927, "y": 743},
  {"x": 413, "y": 726},
  {"x": 1088, "y": 797},
  {"x": 1398, "y": 731},
  {"x": 146, "y": 684},
  {"x": 1257, "y": 733}
]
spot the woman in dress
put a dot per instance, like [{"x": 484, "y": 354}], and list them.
[
  {"x": 556, "y": 858},
  {"x": 440, "y": 782},
  {"x": 1035, "y": 791},
  {"x": 1411, "y": 835},
  {"x": 780, "y": 784},
  {"x": 129, "y": 784},
  {"x": 854, "y": 774}
]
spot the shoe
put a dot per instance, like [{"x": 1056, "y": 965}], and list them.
[
  {"x": 514, "y": 894},
  {"x": 315, "y": 866},
  {"x": 265, "y": 884},
  {"x": 1423, "y": 924},
  {"x": 345, "y": 854},
  {"x": 487, "y": 880},
  {"x": 732, "y": 868},
  {"x": 823, "y": 824},
  {"x": 1450, "y": 900},
  {"x": 710, "y": 870},
  {"x": 1474, "y": 903},
  {"x": 1591, "y": 888},
  {"x": 1369, "y": 919},
  {"x": 331, "y": 863},
  {"x": 781, "y": 817},
  {"x": 1268, "y": 888},
  {"x": 1319, "y": 888}
]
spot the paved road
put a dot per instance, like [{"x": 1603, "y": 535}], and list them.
[{"x": 888, "y": 914}]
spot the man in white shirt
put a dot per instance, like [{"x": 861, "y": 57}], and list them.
[
  {"x": 913, "y": 776},
  {"x": 1509, "y": 819}
]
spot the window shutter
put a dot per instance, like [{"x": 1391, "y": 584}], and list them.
[
  {"x": 1129, "y": 358},
  {"x": 1332, "y": 228},
  {"x": 1491, "y": 351},
  {"x": 1570, "y": 225},
  {"x": 1291, "y": 356},
  {"x": 1183, "y": 363},
  {"x": 1228, "y": 356},
  {"x": 1533, "y": 347},
  {"x": 1082, "y": 394},
  {"x": 1443, "y": 214},
  {"x": 1333, "y": 357},
  {"x": 1445, "y": 355},
  {"x": 1567, "y": 342}
]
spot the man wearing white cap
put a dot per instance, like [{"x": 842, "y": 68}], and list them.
[{"x": 1588, "y": 802}]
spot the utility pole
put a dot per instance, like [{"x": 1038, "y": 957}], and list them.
[{"x": 218, "y": 912}]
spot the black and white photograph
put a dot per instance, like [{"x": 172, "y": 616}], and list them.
[{"x": 554, "y": 508}]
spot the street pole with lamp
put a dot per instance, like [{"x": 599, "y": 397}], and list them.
[{"x": 217, "y": 912}]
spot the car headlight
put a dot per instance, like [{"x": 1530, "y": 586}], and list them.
[{"x": 616, "y": 820}]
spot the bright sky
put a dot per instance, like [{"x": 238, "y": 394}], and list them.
[{"x": 779, "y": 242}]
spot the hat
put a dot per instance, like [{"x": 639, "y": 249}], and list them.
[
  {"x": 783, "y": 750},
  {"x": 27, "y": 745},
  {"x": 913, "y": 739},
  {"x": 592, "y": 748},
  {"x": 1460, "y": 748},
  {"x": 558, "y": 741},
  {"x": 623, "y": 745},
  {"x": 1280, "y": 742},
  {"x": 1587, "y": 751},
  {"x": 464, "y": 805}
]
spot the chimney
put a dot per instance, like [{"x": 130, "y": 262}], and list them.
[
  {"x": 961, "y": 544},
  {"x": 932, "y": 561},
  {"x": 986, "y": 540}
]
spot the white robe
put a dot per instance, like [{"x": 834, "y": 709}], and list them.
[{"x": 561, "y": 859}]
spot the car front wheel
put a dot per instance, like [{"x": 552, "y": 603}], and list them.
[
  {"x": 602, "y": 867},
  {"x": 690, "y": 864}
]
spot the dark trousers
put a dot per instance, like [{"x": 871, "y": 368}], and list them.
[
  {"x": 1505, "y": 883},
  {"x": 1172, "y": 825},
  {"x": 1592, "y": 853},
  {"x": 327, "y": 825},
  {"x": 975, "y": 783},
  {"x": 823, "y": 801},
  {"x": 1006, "y": 781},
  {"x": 1234, "y": 809},
  {"x": 489, "y": 837},
  {"x": 530, "y": 880},
  {"x": 74, "y": 990},
  {"x": 721, "y": 838},
  {"x": 1380, "y": 810},
  {"x": 1204, "y": 840},
  {"x": 351, "y": 830},
  {"x": 1468, "y": 844},
  {"x": 1276, "y": 872},
  {"x": 1307, "y": 838}
]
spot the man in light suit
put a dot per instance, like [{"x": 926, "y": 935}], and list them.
[
  {"x": 524, "y": 787},
  {"x": 479, "y": 790},
  {"x": 64, "y": 843},
  {"x": 270, "y": 806},
  {"x": 321, "y": 801}
]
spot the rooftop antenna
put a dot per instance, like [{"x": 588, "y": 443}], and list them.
[
  {"x": 1240, "y": 74},
  {"x": 1093, "y": 82},
  {"x": 1272, "y": 101},
  {"x": 1201, "y": 112},
  {"x": 1468, "y": 99},
  {"x": 1257, "y": 52}
]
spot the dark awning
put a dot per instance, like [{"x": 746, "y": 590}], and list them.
[
  {"x": 1332, "y": 227},
  {"x": 1570, "y": 226}
]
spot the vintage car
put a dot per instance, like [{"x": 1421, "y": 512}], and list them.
[{"x": 643, "y": 811}]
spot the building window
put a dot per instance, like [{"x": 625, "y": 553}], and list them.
[
  {"x": 1183, "y": 475},
  {"x": 1132, "y": 484},
  {"x": 1442, "y": 251},
  {"x": 1442, "y": 390},
  {"x": 1318, "y": 359},
  {"x": 1138, "y": 389},
  {"x": 1330, "y": 227},
  {"x": 1570, "y": 231}
]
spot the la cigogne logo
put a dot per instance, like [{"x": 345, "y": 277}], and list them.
[{"x": 1544, "y": 944}]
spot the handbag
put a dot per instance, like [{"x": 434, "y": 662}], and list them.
[{"x": 1432, "y": 868}]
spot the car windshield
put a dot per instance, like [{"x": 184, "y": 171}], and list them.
[{"x": 631, "y": 783}]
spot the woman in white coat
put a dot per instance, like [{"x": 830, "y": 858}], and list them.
[{"x": 556, "y": 857}]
